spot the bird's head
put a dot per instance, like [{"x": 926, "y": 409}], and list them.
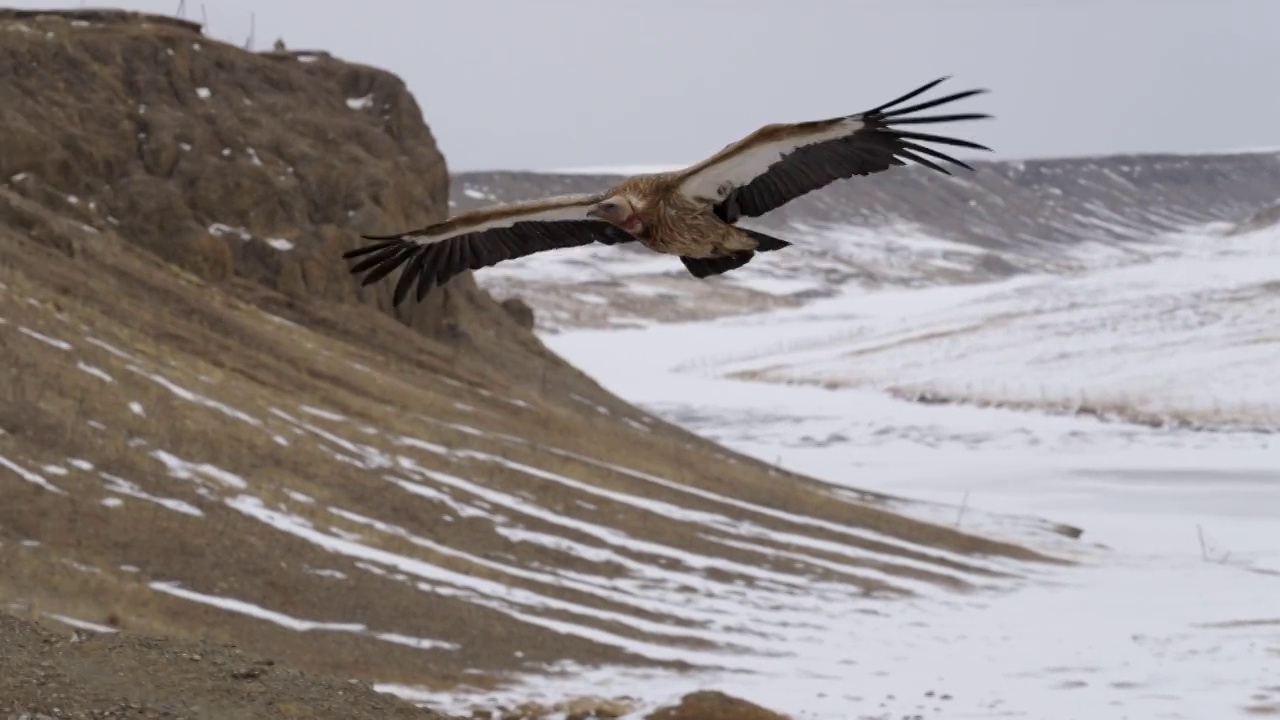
[{"x": 617, "y": 210}]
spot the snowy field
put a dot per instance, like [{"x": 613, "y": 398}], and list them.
[
  {"x": 1190, "y": 337},
  {"x": 1133, "y": 402}
]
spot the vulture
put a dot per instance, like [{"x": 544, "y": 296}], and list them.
[{"x": 691, "y": 213}]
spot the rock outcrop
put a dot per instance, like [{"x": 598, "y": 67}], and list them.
[
  {"x": 714, "y": 705},
  {"x": 229, "y": 164}
]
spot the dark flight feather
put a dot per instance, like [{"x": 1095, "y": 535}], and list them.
[
  {"x": 432, "y": 264},
  {"x": 875, "y": 147}
]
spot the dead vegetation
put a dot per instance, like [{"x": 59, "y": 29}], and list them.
[{"x": 190, "y": 414}]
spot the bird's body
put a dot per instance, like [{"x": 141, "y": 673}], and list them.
[
  {"x": 691, "y": 213},
  {"x": 667, "y": 221}
]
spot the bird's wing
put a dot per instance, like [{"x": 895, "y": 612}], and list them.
[
  {"x": 780, "y": 162},
  {"x": 480, "y": 238}
]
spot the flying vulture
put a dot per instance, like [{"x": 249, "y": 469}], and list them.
[{"x": 691, "y": 213}]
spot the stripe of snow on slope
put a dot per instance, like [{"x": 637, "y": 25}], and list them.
[
  {"x": 711, "y": 635},
  {"x": 801, "y": 591},
  {"x": 995, "y": 565},
  {"x": 987, "y": 564},
  {"x": 31, "y": 477},
  {"x": 747, "y": 529},
  {"x": 111, "y": 349},
  {"x": 196, "y": 398},
  {"x": 460, "y": 509},
  {"x": 370, "y": 457},
  {"x": 94, "y": 371},
  {"x": 298, "y": 625},
  {"x": 52, "y": 341},
  {"x": 321, "y": 413},
  {"x": 246, "y": 608},
  {"x": 655, "y": 586},
  {"x": 117, "y": 484},
  {"x": 253, "y": 507},
  {"x": 367, "y": 456},
  {"x": 186, "y": 470},
  {"x": 646, "y": 577},
  {"x": 81, "y": 624},
  {"x": 612, "y": 536}
]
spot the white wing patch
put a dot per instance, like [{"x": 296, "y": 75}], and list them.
[
  {"x": 555, "y": 209},
  {"x": 713, "y": 181}
]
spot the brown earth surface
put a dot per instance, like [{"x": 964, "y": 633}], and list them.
[
  {"x": 46, "y": 674},
  {"x": 207, "y": 433},
  {"x": 712, "y": 705}
]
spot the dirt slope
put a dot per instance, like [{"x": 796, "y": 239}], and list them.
[
  {"x": 44, "y": 674},
  {"x": 206, "y": 432}
]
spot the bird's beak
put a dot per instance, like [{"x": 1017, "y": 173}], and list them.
[{"x": 594, "y": 212}]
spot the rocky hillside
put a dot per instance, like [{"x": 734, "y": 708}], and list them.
[
  {"x": 907, "y": 227},
  {"x": 206, "y": 430}
]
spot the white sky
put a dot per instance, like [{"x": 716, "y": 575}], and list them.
[{"x": 562, "y": 83}]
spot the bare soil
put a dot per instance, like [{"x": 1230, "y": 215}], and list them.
[{"x": 46, "y": 674}]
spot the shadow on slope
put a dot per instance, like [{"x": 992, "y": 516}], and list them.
[{"x": 205, "y": 431}]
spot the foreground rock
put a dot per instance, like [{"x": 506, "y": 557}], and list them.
[
  {"x": 86, "y": 675},
  {"x": 713, "y": 705}
]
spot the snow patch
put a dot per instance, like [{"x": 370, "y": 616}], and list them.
[
  {"x": 31, "y": 477},
  {"x": 50, "y": 341},
  {"x": 360, "y": 103},
  {"x": 80, "y": 624}
]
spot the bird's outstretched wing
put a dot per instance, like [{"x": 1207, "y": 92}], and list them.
[
  {"x": 480, "y": 238},
  {"x": 780, "y": 162}
]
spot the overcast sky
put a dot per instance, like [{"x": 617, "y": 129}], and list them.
[{"x": 566, "y": 83}]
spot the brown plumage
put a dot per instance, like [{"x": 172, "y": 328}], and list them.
[{"x": 691, "y": 213}]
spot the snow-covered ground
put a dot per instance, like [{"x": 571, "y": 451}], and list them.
[
  {"x": 1173, "y": 610},
  {"x": 1191, "y": 336}
]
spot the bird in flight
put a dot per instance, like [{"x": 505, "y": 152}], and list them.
[{"x": 691, "y": 213}]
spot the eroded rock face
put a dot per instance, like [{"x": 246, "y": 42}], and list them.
[{"x": 224, "y": 162}]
